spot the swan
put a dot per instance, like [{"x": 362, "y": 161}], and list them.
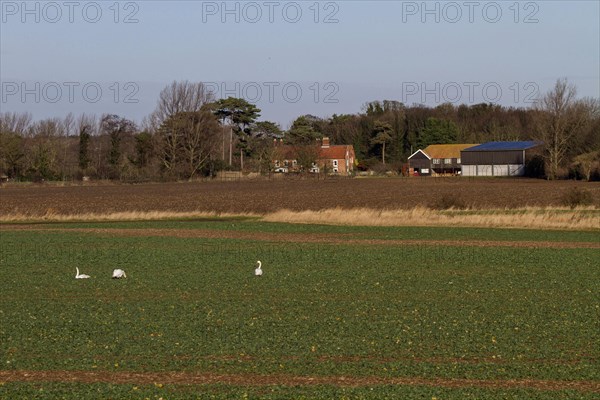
[
  {"x": 119, "y": 273},
  {"x": 258, "y": 270},
  {"x": 80, "y": 276}
]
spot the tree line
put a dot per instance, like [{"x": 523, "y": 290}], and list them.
[{"x": 191, "y": 134}]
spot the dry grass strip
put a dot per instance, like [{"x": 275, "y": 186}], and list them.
[
  {"x": 119, "y": 216},
  {"x": 525, "y": 218}
]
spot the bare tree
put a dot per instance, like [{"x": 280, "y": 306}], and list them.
[
  {"x": 187, "y": 141},
  {"x": 13, "y": 128},
  {"x": 168, "y": 142},
  {"x": 48, "y": 128},
  {"x": 43, "y": 149},
  {"x": 12, "y": 153},
  {"x": 66, "y": 162},
  {"x": 180, "y": 97},
  {"x": 15, "y": 122},
  {"x": 560, "y": 118},
  {"x": 200, "y": 141},
  {"x": 69, "y": 124},
  {"x": 590, "y": 137},
  {"x": 147, "y": 125},
  {"x": 117, "y": 129},
  {"x": 87, "y": 126},
  {"x": 89, "y": 123},
  {"x": 586, "y": 162}
]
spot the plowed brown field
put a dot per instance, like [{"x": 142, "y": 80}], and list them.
[
  {"x": 268, "y": 196},
  {"x": 286, "y": 380}
]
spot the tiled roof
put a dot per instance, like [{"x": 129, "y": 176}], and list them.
[
  {"x": 333, "y": 152},
  {"x": 446, "y": 150},
  {"x": 285, "y": 152},
  {"x": 338, "y": 152},
  {"x": 504, "y": 146}
]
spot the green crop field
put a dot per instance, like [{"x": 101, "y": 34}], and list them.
[{"x": 340, "y": 312}]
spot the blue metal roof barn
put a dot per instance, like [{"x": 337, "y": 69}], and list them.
[
  {"x": 497, "y": 158},
  {"x": 503, "y": 146}
]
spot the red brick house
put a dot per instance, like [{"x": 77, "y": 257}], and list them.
[{"x": 330, "y": 159}]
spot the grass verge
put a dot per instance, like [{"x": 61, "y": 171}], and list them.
[
  {"x": 530, "y": 218},
  {"x": 583, "y": 218}
]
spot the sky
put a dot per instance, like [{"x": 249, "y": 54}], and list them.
[{"x": 292, "y": 58}]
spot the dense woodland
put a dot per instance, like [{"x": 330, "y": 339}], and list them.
[{"x": 191, "y": 134}]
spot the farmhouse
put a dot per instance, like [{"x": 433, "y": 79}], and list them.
[
  {"x": 324, "y": 157},
  {"x": 498, "y": 158},
  {"x": 337, "y": 159},
  {"x": 284, "y": 157},
  {"x": 437, "y": 159}
]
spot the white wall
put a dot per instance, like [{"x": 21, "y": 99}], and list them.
[{"x": 493, "y": 170}]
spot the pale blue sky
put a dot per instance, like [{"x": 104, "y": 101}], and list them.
[{"x": 375, "y": 50}]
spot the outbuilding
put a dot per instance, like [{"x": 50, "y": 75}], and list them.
[
  {"x": 437, "y": 159},
  {"x": 419, "y": 163},
  {"x": 498, "y": 158}
]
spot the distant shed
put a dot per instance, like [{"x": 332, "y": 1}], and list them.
[
  {"x": 419, "y": 163},
  {"x": 497, "y": 158}
]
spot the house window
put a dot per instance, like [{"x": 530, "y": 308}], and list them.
[
  {"x": 458, "y": 160},
  {"x": 447, "y": 161},
  {"x": 335, "y": 163},
  {"x": 436, "y": 160}
]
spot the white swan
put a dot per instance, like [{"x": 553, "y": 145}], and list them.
[
  {"x": 80, "y": 276},
  {"x": 118, "y": 274},
  {"x": 258, "y": 271}
]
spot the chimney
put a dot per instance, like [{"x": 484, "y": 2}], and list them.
[{"x": 325, "y": 144}]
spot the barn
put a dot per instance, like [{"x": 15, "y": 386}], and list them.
[
  {"x": 419, "y": 163},
  {"x": 497, "y": 158},
  {"x": 437, "y": 159}
]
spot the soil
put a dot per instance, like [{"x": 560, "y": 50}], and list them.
[
  {"x": 321, "y": 238},
  {"x": 285, "y": 380},
  {"x": 264, "y": 196}
]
